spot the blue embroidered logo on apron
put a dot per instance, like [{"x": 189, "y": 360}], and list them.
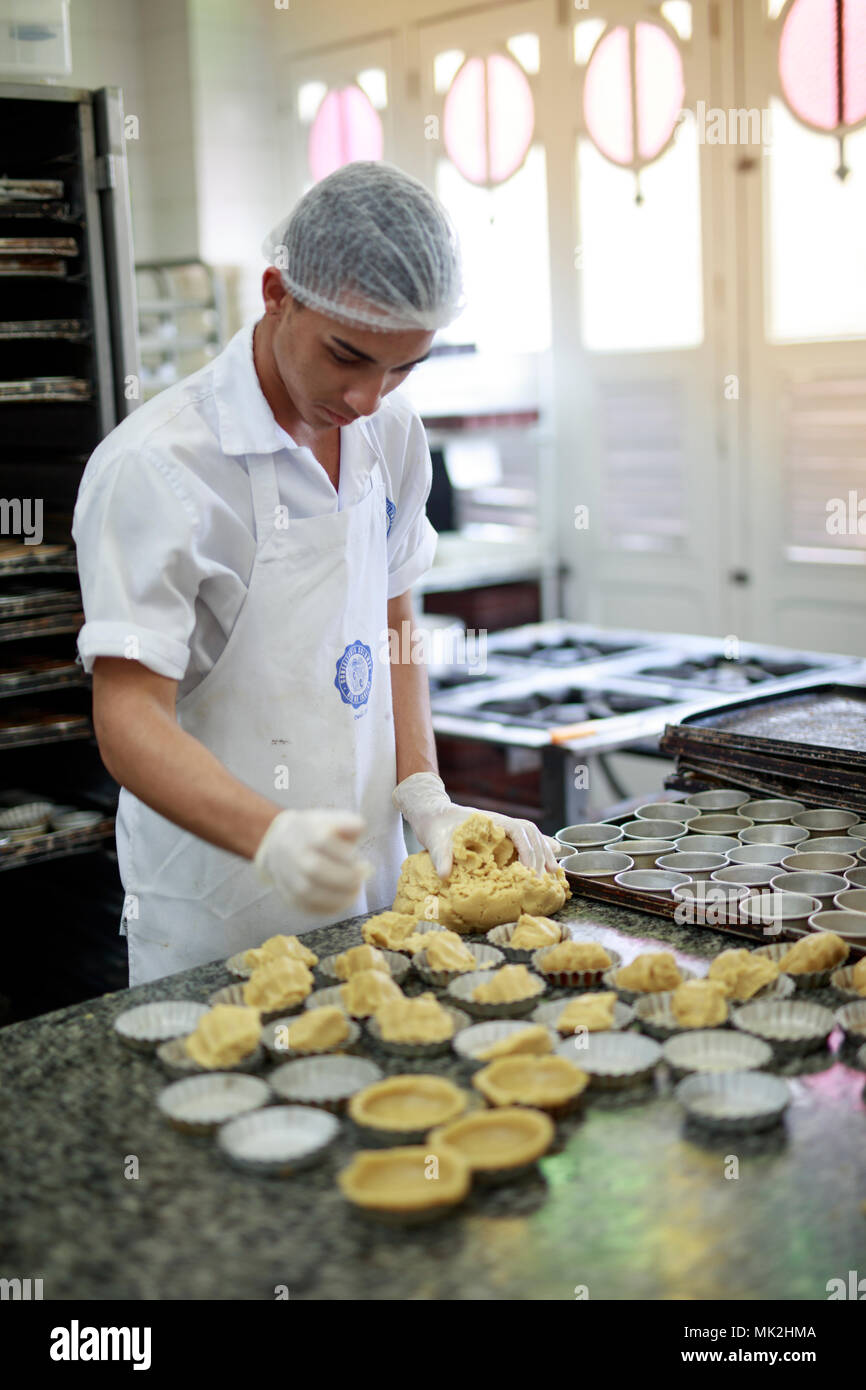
[
  {"x": 392, "y": 512},
  {"x": 355, "y": 674}
]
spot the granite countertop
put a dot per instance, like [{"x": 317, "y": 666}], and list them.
[{"x": 632, "y": 1204}]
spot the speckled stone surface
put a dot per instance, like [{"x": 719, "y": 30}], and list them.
[{"x": 633, "y": 1203}]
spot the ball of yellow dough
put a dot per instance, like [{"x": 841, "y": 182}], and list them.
[{"x": 487, "y": 886}]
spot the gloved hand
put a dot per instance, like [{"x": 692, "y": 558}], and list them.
[
  {"x": 434, "y": 817},
  {"x": 311, "y": 859}
]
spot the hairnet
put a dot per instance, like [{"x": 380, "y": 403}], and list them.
[{"x": 370, "y": 245}]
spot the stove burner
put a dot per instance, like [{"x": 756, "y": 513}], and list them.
[
  {"x": 458, "y": 678},
  {"x": 567, "y": 651},
  {"x": 727, "y": 673},
  {"x": 567, "y": 706}
]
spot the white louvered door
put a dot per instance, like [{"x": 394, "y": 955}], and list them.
[
  {"x": 644, "y": 436},
  {"x": 803, "y": 423}
]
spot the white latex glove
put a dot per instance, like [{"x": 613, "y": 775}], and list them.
[
  {"x": 434, "y": 817},
  {"x": 311, "y": 859}
]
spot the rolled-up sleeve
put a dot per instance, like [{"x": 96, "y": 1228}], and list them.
[
  {"x": 134, "y": 529},
  {"x": 412, "y": 541}
]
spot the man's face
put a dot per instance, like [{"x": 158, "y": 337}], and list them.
[{"x": 334, "y": 372}]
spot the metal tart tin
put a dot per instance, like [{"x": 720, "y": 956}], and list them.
[
  {"x": 592, "y": 835},
  {"x": 842, "y": 980},
  {"x": 778, "y": 913},
  {"x": 851, "y": 926},
  {"x": 715, "y": 1050},
  {"x": 500, "y": 937},
  {"x": 656, "y": 1016},
  {"x": 623, "y": 1015},
  {"x": 708, "y": 903},
  {"x": 324, "y": 1081},
  {"x": 861, "y": 854},
  {"x": 234, "y": 994},
  {"x": 420, "y": 1049},
  {"x": 858, "y": 831},
  {"x": 323, "y": 998},
  {"x": 460, "y": 993},
  {"x": 422, "y": 929},
  {"x": 398, "y": 966},
  {"x": 658, "y": 882},
  {"x": 173, "y": 1056},
  {"x": 746, "y": 875},
  {"x": 375, "y": 1136},
  {"x": 487, "y": 957},
  {"x": 851, "y": 900},
  {"x": 720, "y": 825},
  {"x": 574, "y": 979},
  {"x": 758, "y": 854},
  {"x": 696, "y": 866},
  {"x": 725, "y": 799},
  {"x": 772, "y": 835},
  {"x": 831, "y": 844},
  {"x": 598, "y": 863},
  {"x": 791, "y": 1027},
  {"x": 818, "y": 863},
  {"x": 822, "y": 886},
  {"x": 613, "y": 1060},
  {"x": 235, "y": 965},
  {"x": 734, "y": 1100},
  {"x": 539, "y": 1133},
  {"x": 273, "y": 1032},
  {"x": 827, "y": 820},
  {"x": 856, "y": 878},
  {"x": 630, "y": 996},
  {"x": 147, "y": 1025},
  {"x": 29, "y": 815},
  {"x": 860, "y": 1058},
  {"x": 411, "y": 1216},
  {"x": 771, "y": 811},
  {"x": 668, "y": 810},
  {"x": 706, "y": 844},
  {"x": 643, "y": 853},
  {"x": 279, "y": 1140},
  {"x": 656, "y": 830},
  {"x": 809, "y": 979},
  {"x": 851, "y": 1018},
  {"x": 480, "y": 1036},
  {"x": 199, "y": 1103}
]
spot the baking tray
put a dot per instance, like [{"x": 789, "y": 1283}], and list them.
[
  {"x": 54, "y": 625},
  {"x": 54, "y": 246},
  {"x": 25, "y": 190},
  {"x": 46, "y": 388},
  {"x": 608, "y": 892},
  {"x": 831, "y": 788},
  {"x": 21, "y": 330},
  {"x": 824, "y": 724},
  {"x": 56, "y": 844}
]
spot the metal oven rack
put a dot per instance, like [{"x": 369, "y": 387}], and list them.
[{"x": 68, "y": 373}]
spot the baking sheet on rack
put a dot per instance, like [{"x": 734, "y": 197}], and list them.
[
  {"x": 817, "y": 789},
  {"x": 824, "y": 724}
]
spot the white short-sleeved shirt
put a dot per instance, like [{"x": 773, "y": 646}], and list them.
[{"x": 164, "y": 524}]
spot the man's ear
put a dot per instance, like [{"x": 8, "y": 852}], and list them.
[{"x": 274, "y": 292}]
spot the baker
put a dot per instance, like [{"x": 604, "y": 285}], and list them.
[{"x": 246, "y": 540}]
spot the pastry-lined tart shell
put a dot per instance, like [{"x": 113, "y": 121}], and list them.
[
  {"x": 395, "y": 1181},
  {"x": 498, "y": 1140},
  {"x": 544, "y": 1083},
  {"x": 407, "y": 1103}
]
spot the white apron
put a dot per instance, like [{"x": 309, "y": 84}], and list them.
[{"x": 298, "y": 707}]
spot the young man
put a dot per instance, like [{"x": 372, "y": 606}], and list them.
[{"x": 245, "y": 541}]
